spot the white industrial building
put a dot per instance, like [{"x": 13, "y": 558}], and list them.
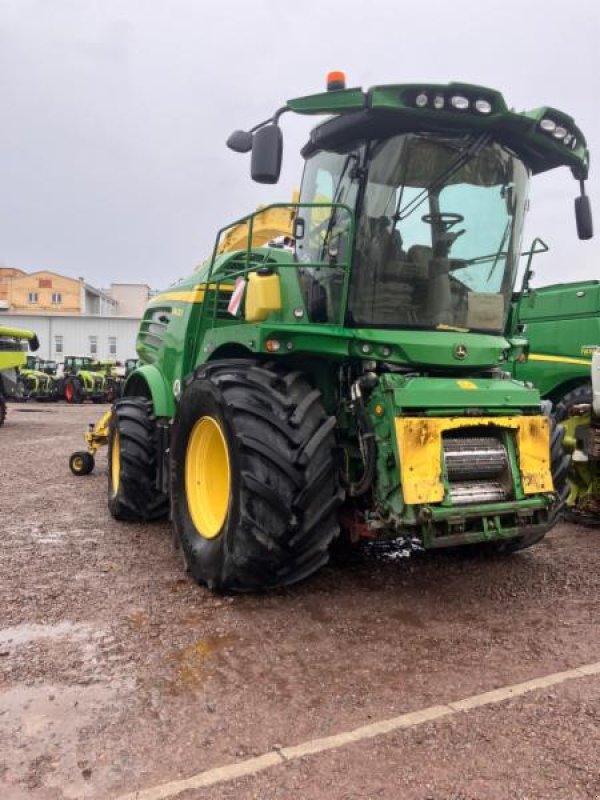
[{"x": 107, "y": 338}]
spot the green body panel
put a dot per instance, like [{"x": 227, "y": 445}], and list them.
[
  {"x": 151, "y": 377},
  {"x": 562, "y": 324},
  {"x": 491, "y": 395}
]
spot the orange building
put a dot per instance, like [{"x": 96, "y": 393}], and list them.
[
  {"x": 46, "y": 292},
  {"x": 7, "y": 274}
]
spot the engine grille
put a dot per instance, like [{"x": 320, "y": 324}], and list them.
[{"x": 477, "y": 468}]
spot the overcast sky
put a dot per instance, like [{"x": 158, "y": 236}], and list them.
[{"x": 115, "y": 113}]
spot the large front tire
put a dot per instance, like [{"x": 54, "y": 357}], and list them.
[
  {"x": 133, "y": 463},
  {"x": 254, "y": 487}
]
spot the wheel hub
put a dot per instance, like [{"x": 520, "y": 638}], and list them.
[{"x": 207, "y": 477}]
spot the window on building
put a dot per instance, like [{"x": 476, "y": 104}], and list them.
[
  {"x": 112, "y": 345},
  {"x": 32, "y": 297},
  {"x": 58, "y": 344},
  {"x": 56, "y": 298},
  {"x": 93, "y": 345}
]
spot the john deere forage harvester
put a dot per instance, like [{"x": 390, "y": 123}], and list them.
[
  {"x": 13, "y": 354},
  {"x": 358, "y": 383}
]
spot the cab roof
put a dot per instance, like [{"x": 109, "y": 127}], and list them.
[{"x": 544, "y": 138}]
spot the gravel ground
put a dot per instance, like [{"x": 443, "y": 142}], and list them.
[{"x": 117, "y": 673}]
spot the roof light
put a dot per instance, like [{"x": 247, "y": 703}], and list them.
[
  {"x": 483, "y": 106},
  {"x": 568, "y": 138},
  {"x": 421, "y": 100},
  {"x": 559, "y": 132},
  {"x": 438, "y": 101},
  {"x": 459, "y": 102},
  {"x": 574, "y": 143},
  {"x": 548, "y": 125},
  {"x": 336, "y": 80}
]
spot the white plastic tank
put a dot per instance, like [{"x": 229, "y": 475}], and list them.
[{"x": 596, "y": 381}]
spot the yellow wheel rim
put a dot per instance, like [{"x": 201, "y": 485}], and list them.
[
  {"x": 78, "y": 463},
  {"x": 115, "y": 462},
  {"x": 207, "y": 477}
]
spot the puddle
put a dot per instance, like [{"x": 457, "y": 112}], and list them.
[
  {"x": 84, "y": 653},
  {"x": 24, "y": 634},
  {"x": 44, "y": 722},
  {"x": 197, "y": 662},
  {"x": 43, "y": 725}
]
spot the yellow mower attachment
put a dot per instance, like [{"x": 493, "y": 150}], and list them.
[{"x": 82, "y": 461}]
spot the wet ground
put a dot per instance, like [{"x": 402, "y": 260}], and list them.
[{"x": 118, "y": 674}]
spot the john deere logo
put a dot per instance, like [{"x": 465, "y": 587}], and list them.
[{"x": 460, "y": 351}]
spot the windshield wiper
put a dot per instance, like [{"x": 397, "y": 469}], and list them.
[
  {"x": 459, "y": 161},
  {"x": 337, "y": 196},
  {"x": 499, "y": 251}
]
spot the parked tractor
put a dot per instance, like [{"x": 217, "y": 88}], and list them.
[
  {"x": 13, "y": 355},
  {"x": 582, "y": 439},
  {"x": 37, "y": 380},
  {"x": 87, "y": 379},
  {"x": 562, "y": 325},
  {"x": 355, "y": 386}
]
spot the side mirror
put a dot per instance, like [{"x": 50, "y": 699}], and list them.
[
  {"x": 34, "y": 343},
  {"x": 583, "y": 217},
  {"x": 240, "y": 142},
  {"x": 267, "y": 152}
]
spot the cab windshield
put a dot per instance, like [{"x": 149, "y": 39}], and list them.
[{"x": 438, "y": 232}]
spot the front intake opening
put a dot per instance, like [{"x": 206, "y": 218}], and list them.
[{"x": 477, "y": 467}]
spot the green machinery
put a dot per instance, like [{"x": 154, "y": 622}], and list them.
[
  {"x": 582, "y": 439},
  {"x": 37, "y": 380},
  {"x": 562, "y": 325},
  {"x": 357, "y": 385},
  {"x": 13, "y": 356},
  {"x": 87, "y": 379}
]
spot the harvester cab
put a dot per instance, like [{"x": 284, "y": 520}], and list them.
[
  {"x": 14, "y": 343},
  {"x": 358, "y": 382}
]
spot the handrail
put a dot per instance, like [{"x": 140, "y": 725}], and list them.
[{"x": 247, "y": 254}]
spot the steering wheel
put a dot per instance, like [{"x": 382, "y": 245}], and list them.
[{"x": 445, "y": 219}]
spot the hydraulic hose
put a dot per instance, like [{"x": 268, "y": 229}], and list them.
[{"x": 366, "y": 439}]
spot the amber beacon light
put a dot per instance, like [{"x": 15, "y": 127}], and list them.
[{"x": 336, "y": 80}]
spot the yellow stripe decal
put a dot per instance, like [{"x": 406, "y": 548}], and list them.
[
  {"x": 560, "y": 359},
  {"x": 195, "y": 295}
]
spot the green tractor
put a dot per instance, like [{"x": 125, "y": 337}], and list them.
[
  {"x": 87, "y": 379},
  {"x": 582, "y": 439},
  {"x": 37, "y": 380},
  {"x": 355, "y": 386},
  {"x": 13, "y": 356}
]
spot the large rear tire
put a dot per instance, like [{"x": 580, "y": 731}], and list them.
[
  {"x": 254, "y": 489},
  {"x": 133, "y": 463},
  {"x": 2, "y": 410},
  {"x": 73, "y": 391}
]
